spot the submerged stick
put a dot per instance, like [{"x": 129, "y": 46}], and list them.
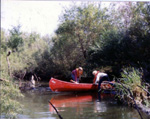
[{"x": 56, "y": 110}]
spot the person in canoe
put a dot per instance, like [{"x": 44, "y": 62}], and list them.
[
  {"x": 99, "y": 77},
  {"x": 76, "y": 75}
]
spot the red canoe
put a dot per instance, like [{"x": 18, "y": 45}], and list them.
[{"x": 63, "y": 86}]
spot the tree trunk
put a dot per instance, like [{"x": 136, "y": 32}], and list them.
[
  {"x": 7, "y": 58},
  {"x": 82, "y": 47}
]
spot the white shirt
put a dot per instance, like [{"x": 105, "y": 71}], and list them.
[{"x": 99, "y": 75}]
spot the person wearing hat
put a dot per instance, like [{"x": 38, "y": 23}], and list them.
[
  {"x": 76, "y": 75},
  {"x": 99, "y": 77}
]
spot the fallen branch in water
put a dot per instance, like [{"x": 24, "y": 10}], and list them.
[
  {"x": 56, "y": 110},
  {"x": 132, "y": 98}
]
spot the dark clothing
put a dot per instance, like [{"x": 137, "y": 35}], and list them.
[
  {"x": 76, "y": 74},
  {"x": 75, "y": 79},
  {"x": 104, "y": 78}
]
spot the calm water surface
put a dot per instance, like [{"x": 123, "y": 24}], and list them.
[{"x": 74, "y": 106}]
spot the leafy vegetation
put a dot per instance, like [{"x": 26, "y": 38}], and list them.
[
  {"x": 127, "y": 46},
  {"x": 10, "y": 92},
  {"x": 132, "y": 88},
  {"x": 89, "y": 35},
  {"x": 18, "y": 60}
]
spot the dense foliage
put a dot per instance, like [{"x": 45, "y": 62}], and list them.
[
  {"x": 10, "y": 93},
  {"x": 89, "y": 35},
  {"x": 127, "y": 46},
  {"x": 108, "y": 39}
]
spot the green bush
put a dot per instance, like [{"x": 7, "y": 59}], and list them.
[
  {"x": 131, "y": 87},
  {"x": 10, "y": 93}
]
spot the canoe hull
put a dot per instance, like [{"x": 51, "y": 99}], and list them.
[{"x": 62, "y": 86}]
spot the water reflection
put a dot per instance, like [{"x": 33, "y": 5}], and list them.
[
  {"x": 74, "y": 106},
  {"x": 78, "y": 102},
  {"x": 72, "y": 100}
]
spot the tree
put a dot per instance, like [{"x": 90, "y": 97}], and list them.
[
  {"x": 15, "y": 38},
  {"x": 80, "y": 27},
  {"x": 84, "y": 23},
  {"x": 128, "y": 45}
]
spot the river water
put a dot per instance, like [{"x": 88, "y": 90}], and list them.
[{"x": 74, "y": 106}]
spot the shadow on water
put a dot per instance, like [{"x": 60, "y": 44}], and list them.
[{"x": 74, "y": 106}]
